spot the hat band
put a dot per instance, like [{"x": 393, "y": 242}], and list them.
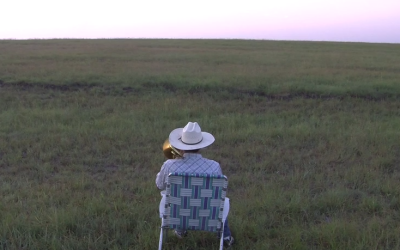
[{"x": 190, "y": 143}]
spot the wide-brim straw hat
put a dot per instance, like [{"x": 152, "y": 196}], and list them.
[{"x": 190, "y": 137}]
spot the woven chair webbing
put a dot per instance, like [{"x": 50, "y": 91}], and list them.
[{"x": 195, "y": 201}]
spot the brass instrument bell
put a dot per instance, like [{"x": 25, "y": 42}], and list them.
[{"x": 169, "y": 151}]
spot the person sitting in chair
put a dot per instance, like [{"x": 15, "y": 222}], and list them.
[{"x": 188, "y": 141}]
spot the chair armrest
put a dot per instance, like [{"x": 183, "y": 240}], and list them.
[
  {"x": 161, "y": 208},
  {"x": 226, "y": 209}
]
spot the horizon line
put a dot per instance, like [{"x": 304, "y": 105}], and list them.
[{"x": 166, "y": 38}]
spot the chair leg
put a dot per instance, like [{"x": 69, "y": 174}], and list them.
[
  {"x": 221, "y": 241},
  {"x": 163, "y": 235},
  {"x": 161, "y": 240}
]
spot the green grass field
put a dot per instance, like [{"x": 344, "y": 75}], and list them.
[{"x": 308, "y": 134}]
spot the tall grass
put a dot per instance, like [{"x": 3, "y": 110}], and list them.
[
  {"x": 269, "y": 67},
  {"x": 310, "y": 166}
]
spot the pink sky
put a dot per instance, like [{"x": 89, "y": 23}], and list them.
[{"x": 317, "y": 20}]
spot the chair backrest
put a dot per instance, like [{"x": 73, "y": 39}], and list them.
[{"x": 195, "y": 201}]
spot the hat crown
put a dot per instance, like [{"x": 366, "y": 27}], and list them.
[{"x": 191, "y": 133}]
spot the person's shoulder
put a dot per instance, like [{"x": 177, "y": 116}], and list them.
[
  {"x": 212, "y": 161},
  {"x": 172, "y": 161}
]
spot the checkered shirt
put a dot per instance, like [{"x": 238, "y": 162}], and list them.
[{"x": 190, "y": 163}]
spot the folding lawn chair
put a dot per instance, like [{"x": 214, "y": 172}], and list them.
[{"x": 194, "y": 202}]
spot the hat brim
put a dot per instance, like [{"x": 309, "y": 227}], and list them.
[{"x": 175, "y": 140}]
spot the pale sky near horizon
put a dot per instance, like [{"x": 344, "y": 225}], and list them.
[{"x": 376, "y": 21}]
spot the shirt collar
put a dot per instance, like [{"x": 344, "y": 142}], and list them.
[{"x": 192, "y": 155}]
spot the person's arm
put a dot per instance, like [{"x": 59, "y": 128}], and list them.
[
  {"x": 160, "y": 179},
  {"x": 213, "y": 167},
  {"x": 220, "y": 170}
]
